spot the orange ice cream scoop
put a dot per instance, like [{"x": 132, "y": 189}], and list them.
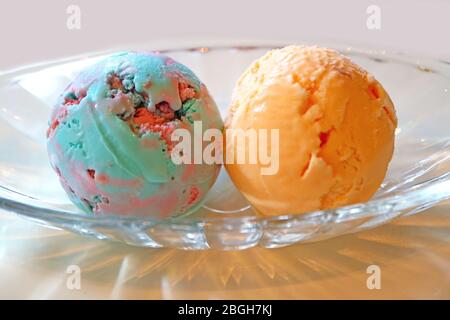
[{"x": 336, "y": 128}]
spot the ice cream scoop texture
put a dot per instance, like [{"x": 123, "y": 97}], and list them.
[
  {"x": 336, "y": 127},
  {"x": 109, "y": 137}
]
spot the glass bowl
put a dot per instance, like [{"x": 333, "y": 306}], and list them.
[{"x": 418, "y": 176}]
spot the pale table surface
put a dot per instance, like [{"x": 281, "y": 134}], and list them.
[{"x": 413, "y": 254}]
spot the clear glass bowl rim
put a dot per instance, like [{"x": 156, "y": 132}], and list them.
[{"x": 429, "y": 192}]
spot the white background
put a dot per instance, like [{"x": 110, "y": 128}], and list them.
[{"x": 36, "y": 30}]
